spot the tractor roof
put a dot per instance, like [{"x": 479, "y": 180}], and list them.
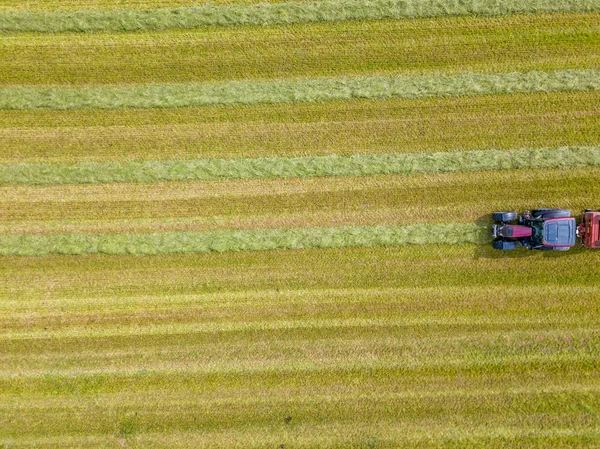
[{"x": 559, "y": 232}]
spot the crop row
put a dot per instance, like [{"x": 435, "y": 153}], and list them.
[
  {"x": 74, "y": 5},
  {"x": 290, "y": 203},
  {"x": 303, "y": 129},
  {"x": 299, "y": 167},
  {"x": 74, "y": 278},
  {"x": 279, "y": 13},
  {"x": 236, "y": 240},
  {"x": 291, "y": 91},
  {"x": 392, "y": 47}
]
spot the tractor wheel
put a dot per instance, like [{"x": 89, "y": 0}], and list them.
[
  {"x": 505, "y": 245},
  {"x": 504, "y": 217},
  {"x": 551, "y": 213}
]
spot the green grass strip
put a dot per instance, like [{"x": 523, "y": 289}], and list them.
[
  {"x": 236, "y": 240},
  {"x": 270, "y": 14},
  {"x": 288, "y": 91},
  {"x": 299, "y": 167}
]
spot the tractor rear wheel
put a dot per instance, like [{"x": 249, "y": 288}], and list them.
[
  {"x": 504, "y": 217},
  {"x": 551, "y": 213},
  {"x": 505, "y": 245}
]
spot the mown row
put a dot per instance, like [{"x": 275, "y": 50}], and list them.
[
  {"x": 302, "y": 129},
  {"x": 256, "y": 349},
  {"x": 235, "y": 240},
  {"x": 273, "y": 13},
  {"x": 301, "y": 167},
  {"x": 549, "y": 41},
  {"x": 294, "y": 203},
  {"x": 74, "y": 5},
  {"x": 290, "y": 91}
]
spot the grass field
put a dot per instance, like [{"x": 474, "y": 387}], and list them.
[
  {"x": 275, "y": 13},
  {"x": 225, "y": 235}
]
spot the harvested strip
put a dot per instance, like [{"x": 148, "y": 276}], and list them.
[
  {"x": 231, "y": 240},
  {"x": 410, "y": 434},
  {"x": 375, "y": 408},
  {"x": 271, "y": 14},
  {"x": 316, "y": 129},
  {"x": 71, "y": 278},
  {"x": 286, "y": 91},
  {"x": 301, "y": 167},
  {"x": 289, "y": 203},
  {"x": 393, "y": 47}
]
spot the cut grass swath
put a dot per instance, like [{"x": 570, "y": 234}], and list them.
[
  {"x": 248, "y": 240},
  {"x": 286, "y": 91},
  {"x": 300, "y": 167},
  {"x": 271, "y": 14}
]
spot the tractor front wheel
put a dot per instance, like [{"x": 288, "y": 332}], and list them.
[
  {"x": 505, "y": 245},
  {"x": 504, "y": 217}
]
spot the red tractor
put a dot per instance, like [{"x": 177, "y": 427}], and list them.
[{"x": 545, "y": 229}]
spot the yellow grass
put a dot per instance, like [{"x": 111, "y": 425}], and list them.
[
  {"x": 290, "y": 345},
  {"x": 248, "y": 204},
  {"x": 388, "y": 47},
  {"x": 359, "y": 126}
]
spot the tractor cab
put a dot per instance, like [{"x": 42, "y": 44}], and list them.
[
  {"x": 558, "y": 232},
  {"x": 541, "y": 229}
]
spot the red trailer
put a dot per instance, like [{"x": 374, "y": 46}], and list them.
[{"x": 589, "y": 229}]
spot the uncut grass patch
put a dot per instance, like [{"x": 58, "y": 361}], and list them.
[
  {"x": 268, "y": 14},
  {"x": 300, "y": 167},
  {"x": 291, "y": 91},
  {"x": 232, "y": 240}
]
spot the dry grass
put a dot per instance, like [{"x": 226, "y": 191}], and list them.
[
  {"x": 447, "y": 44},
  {"x": 140, "y": 352},
  {"x": 318, "y": 129},
  {"x": 292, "y": 91},
  {"x": 289, "y": 203},
  {"x": 414, "y": 346},
  {"x": 274, "y": 13},
  {"x": 300, "y": 167},
  {"x": 74, "y": 5}
]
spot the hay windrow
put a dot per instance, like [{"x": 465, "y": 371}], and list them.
[
  {"x": 292, "y": 91},
  {"x": 272, "y": 14},
  {"x": 247, "y": 240},
  {"x": 299, "y": 167}
]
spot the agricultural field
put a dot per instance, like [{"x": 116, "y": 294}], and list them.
[{"x": 262, "y": 224}]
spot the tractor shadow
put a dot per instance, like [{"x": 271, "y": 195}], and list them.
[{"x": 486, "y": 251}]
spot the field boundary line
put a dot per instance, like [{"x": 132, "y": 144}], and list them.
[{"x": 294, "y": 91}]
